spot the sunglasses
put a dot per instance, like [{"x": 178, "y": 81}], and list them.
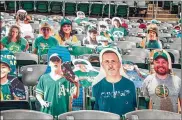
[{"x": 45, "y": 29}]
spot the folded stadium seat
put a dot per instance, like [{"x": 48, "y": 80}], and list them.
[
  {"x": 177, "y": 72},
  {"x": 175, "y": 46},
  {"x": 133, "y": 39},
  {"x": 133, "y": 58},
  {"x": 84, "y": 7},
  {"x": 143, "y": 53},
  {"x": 125, "y": 46},
  {"x": 24, "y": 114},
  {"x": 10, "y": 6},
  {"x": 88, "y": 114},
  {"x": 112, "y": 9},
  {"x": 30, "y": 76},
  {"x": 121, "y": 10},
  {"x": 97, "y": 9},
  {"x": 175, "y": 54},
  {"x": 14, "y": 104},
  {"x": 27, "y": 5},
  {"x": 152, "y": 114},
  {"x": 42, "y": 6},
  {"x": 56, "y": 7},
  {"x": 135, "y": 31},
  {"x": 176, "y": 40},
  {"x": 70, "y": 8},
  {"x": 24, "y": 58}
]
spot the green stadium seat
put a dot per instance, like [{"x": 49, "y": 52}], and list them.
[
  {"x": 42, "y": 6},
  {"x": 97, "y": 8},
  {"x": 10, "y": 6},
  {"x": 70, "y": 8},
  {"x": 84, "y": 7},
  {"x": 122, "y": 10},
  {"x": 56, "y": 7},
  {"x": 80, "y": 50},
  {"x": 27, "y": 5},
  {"x": 112, "y": 9}
]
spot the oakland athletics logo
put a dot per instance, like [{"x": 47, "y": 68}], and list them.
[{"x": 161, "y": 91}]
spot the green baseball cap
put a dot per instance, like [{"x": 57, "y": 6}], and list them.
[
  {"x": 160, "y": 54},
  {"x": 92, "y": 29},
  {"x": 65, "y": 21},
  {"x": 5, "y": 61},
  {"x": 80, "y": 62}
]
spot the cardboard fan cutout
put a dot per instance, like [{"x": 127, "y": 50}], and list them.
[{"x": 85, "y": 72}]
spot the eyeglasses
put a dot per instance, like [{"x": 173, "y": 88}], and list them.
[{"x": 45, "y": 29}]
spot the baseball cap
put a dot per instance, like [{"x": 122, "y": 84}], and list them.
[
  {"x": 92, "y": 29},
  {"x": 45, "y": 25},
  {"x": 160, "y": 54},
  {"x": 55, "y": 57},
  {"x": 65, "y": 21},
  {"x": 5, "y": 61},
  {"x": 80, "y": 62}
]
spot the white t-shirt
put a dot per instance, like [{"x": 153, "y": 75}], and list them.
[{"x": 26, "y": 30}]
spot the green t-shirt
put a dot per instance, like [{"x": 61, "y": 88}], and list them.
[
  {"x": 43, "y": 45},
  {"x": 108, "y": 34},
  {"x": 118, "y": 98},
  {"x": 78, "y": 20},
  {"x": 153, "y": 44},
  {"x": 118, "y": 32},
  {"x": 15, "y": 46},
  {"x": 56, "y": 93},
  {"x": 5, "y": 91},
  {"x": 85, "y": 76}
]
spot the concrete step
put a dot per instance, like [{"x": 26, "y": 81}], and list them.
[
  {"x": 162, "y": 19},
  {"x": 162, "y": 15},
  {"x": 159, "y": 11}
]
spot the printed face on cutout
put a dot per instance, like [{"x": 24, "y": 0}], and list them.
[
  {"x": 67, "y": 28},
  {"x": 116, "y": 24},
  {"x": 111, "y": 64},
  {"x": 14, "y": 32},
  {"x": 152, "y": 35},
  {"x": 4, "y": 70},
  {"x": 56, "y": 66},
  {"x": 46, "y": 31},
  {"x": 161, "y": 66},
  {"x": 93, "y": 35}
]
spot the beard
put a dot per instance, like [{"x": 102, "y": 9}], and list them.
[{"x": 161, "y": 70}]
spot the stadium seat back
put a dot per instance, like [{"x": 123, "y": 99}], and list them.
[
  {"x": 88, "y": 114},
  {"x": 31, "y": 74},
  {"x": 25, "y": 114},
  {"x": 152, "y": 114}
]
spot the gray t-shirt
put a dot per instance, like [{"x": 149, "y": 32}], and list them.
[{"x": 163, "y": 93}]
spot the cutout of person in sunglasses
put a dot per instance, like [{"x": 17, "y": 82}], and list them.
[
  {"x": 81, "y": 19},
  {"x": 43, "y": 43},
  {"x": 65, "y": 35},
  {"x": 104, "y": 30}
]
